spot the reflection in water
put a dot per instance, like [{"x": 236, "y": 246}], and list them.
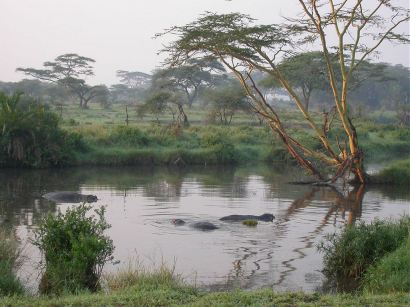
[
  {"x": 142, "y": 201},
  {"x": 350, "y": 204}
]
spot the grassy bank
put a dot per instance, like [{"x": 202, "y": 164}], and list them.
[
  {"x": 391, "y": 274},
  {"x": 169, "y": 295},
  {"x": 366, "y": 255},
  {"x": 200, "y": 145},
  {"x": 98, "y": 136},
  {"x": 157, "y": 145},
  {"x": 397, "y": 173}
]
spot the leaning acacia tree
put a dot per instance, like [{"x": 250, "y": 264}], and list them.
[{"x": 351, "y": 29}]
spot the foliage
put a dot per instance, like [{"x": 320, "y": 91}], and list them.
[
  {"x": 30, "y": 135},
  {"x": 9, "y": 260},
  {"x": 136, "y": 275},
  {"x": 75, "y": 249},
  {"x": 351, "y": 253},
  {"x": 306, "y": 72},
  {"x": 248, "y": 48},
  {"x": 70, "y": 71},
  {"x": 397, "y": 174},
  {"x": 250, "y": 223},
  {"x": 390, "y": 274},
  {"x": 166, "y": 295},
  {"x": 226, "y": 100}
]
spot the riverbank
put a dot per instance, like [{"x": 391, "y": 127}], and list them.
[
  {"x": 386, "y": 282},
  {"x": 165, "y": 295},
  {"x": 207, "y": 145}
]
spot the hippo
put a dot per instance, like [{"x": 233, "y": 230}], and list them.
[
  {"x": 204, "y": 226},
  {"x": 239, "y": 218},
  {"x": 178, "y": 222},
  {"x": 70, "y": 197}
]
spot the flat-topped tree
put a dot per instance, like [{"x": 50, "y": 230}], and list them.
[
  {"x": 134, "y": 79},
  {"x": 245, "y": 47},
  {"x": 192, "y": 77},
  {"x": 132, "y": 86},
  {"x": 70, "y": 71}
]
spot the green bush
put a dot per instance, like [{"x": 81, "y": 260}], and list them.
[
  {"x": 350, "y": 253},
  {"x": 398, "y": 173},
  {"x": 30, "y": 135},
  {"x": 9, "y": 254},
  {"x": 391, "y": 273},
  {"x": 75, "y": 250},
  {"x": 129, "y": 136}
]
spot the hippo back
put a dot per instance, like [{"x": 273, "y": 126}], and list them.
[{"x": 69, "y": 197}]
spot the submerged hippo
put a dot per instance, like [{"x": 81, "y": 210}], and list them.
[
  {"x": 178, "y": 222},
  {"x": 204, "y": 226},
  {"x": 70, "y": 197},
  {"x": 239, "y": 218}
]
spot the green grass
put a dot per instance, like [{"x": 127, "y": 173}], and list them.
[
  {"x": 110, "y": 142},
  {"x": 398, "y": 173},
  {"x": 99, "y": 136},
  {"x": 351, "y": 253},
  {"x": 391, "y": 274},
  {"x": 168, "y": 295}
]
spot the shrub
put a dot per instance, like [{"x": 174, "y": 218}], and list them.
[
  {"x": 30, "y": 135},
  {"x": 398, "y": 173},
  {"x": 9, "y": 254},
  {"x": 75, "y": 250},
  {"x": 350, "y": 253},
  {"x": 130, "y": 136}
]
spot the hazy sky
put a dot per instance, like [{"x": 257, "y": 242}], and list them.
[{"x": 118, "y": 33}]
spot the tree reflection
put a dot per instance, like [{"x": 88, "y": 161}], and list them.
[{"x": 348, "y": 204}]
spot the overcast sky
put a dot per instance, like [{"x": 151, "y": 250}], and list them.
[{"x": 118, "y": 33}]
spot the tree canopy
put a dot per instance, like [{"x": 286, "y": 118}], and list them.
[
  {"x": 244, "y": 47},
  {"x": 69, "y": 70}
]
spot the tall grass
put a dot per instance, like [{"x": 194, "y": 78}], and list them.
[
  {"x": 398, "y": 173},
  {"x": 350, "y": 253},
  {"x": 390, "y": 274},
  {"x": 9, "y": 261},
  {"x": 137, "y": 276}
]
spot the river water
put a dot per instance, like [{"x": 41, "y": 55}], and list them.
[{"x": 141, "y": 202}]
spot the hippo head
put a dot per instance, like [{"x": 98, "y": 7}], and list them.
[
  {"x": 267, "y": 217},
  {"x": 178, "y": 222},
  {"x": 91, "y": 198}
]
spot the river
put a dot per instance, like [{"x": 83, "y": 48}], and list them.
[{"x": 141, "y": 202}]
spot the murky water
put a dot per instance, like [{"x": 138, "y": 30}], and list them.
[{"x": 142, "y": 201}]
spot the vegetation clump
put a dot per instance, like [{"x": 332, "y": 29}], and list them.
[
  {"x": 398, "y": 174},
  {"x": 30, "y": 135},
  {"x": 391, "y": 274},
  {"x": 349, "y": 255},
  {"x": 250, "y": 223},
  {"x": 9, "y": 254},
  {"x": 75, "y": 250}
]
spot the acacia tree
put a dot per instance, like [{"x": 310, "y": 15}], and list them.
[
  {"x": 226, "y": 99},
  {"x": 132, "y": 86},
  {"x": 70, "y": 71},
  {"x": 192, "y": 77},
  {"x": 245, "y": 47},
  {"x": 306, "y": 72}
]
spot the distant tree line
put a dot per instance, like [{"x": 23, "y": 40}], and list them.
[{"x": 205, "y": 82}]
